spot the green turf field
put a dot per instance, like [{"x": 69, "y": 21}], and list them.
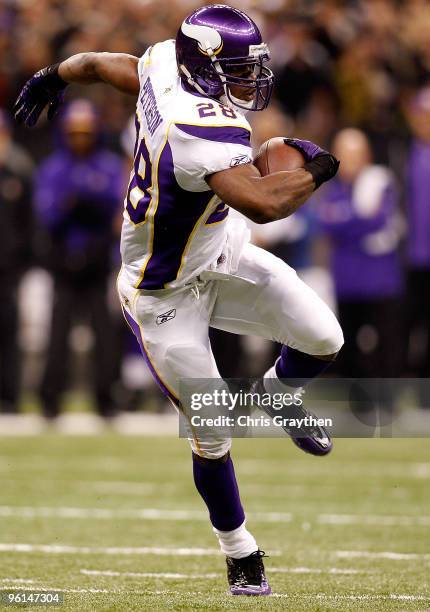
[{"x": 111, "y": 520}]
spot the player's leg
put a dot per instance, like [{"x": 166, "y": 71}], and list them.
[
  {"x": 216, "y": 482},
  {"x": 172, "y": 330},
  {"x": 277, "y": 305}
]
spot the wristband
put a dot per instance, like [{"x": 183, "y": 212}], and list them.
[
  {"x": 323, "y": 167},
  {"x": 53, "y": 78}
]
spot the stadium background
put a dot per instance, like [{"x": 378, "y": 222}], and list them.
[
  {"x": 359, "y": 541},
  {"x": 337, "y": 65}
]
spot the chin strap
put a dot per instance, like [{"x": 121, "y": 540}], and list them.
[
  {"x": 190, "y": 79},
  {"x": 218, "y": 69},
  {"x": 224, "y": 99}
]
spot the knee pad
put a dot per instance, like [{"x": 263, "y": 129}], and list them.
[
  {"x": 325, "y": 339},
  {"x": 189, "y": 361},
  {"x": 335, "y": 340},
  {"x": 328, "y": 344}
]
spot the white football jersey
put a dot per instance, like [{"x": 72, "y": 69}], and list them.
[{"x": 174, "y": 225}]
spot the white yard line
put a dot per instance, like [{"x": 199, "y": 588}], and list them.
[
  {"x": 17, "y": 580},
  {"x": 370, "y": 469},
  {"x": 150, "y": 514},
  {"x": 171, "y": 575},
  {"x": 312, "y": 570},
  {"x": 393, "y": 469},
  {"x": 62, "y": 590},
  {"x": 392, "y": 556},
  {"x": 271, "y": 570},
  {"x": 102, "y": 513},
  {"x": 270, "y": 517},
  {"x": 112, "y": 550},
  {"x": 160, "y": 514},
  {"x": 29, "y": 464},
  {"x": 106, "y": 550},
  {"x": 374, "y": 519}
]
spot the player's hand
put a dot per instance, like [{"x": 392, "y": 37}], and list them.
[
  {"x": 319, "y": 162},
  {"x": 45, "y": 88},
  {"x": 308, "y": 149}
]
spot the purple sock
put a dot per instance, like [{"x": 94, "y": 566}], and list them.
[
  {"x": 216, "y": 482},
  {"x": 294, "y": 365}
]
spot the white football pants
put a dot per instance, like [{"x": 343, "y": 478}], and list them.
[{"x": 262, "y": 297}]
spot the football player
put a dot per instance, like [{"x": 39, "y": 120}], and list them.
[{"x": 186, "y": 266}]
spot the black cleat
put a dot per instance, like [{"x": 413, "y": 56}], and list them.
[
  {"x": 246, "y": 576},
  {"x": 310, "y": 438}
]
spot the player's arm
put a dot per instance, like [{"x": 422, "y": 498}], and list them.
[
  {"x": 262, "y": 199},
  {"x": 275, "y": 196},
  {"x": 116, "y": 69},
  {"x": 46, "y": 87}
]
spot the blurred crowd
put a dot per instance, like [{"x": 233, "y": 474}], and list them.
[{"x": 352, "y": 76}]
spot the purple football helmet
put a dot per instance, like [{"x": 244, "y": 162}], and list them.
[{"x": 214, "y": 47}]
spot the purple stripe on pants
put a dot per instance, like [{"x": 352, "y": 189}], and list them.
[{"x": 136, "y": 330}]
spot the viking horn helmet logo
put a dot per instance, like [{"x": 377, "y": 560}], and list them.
[{"x": 207, "y": 38}]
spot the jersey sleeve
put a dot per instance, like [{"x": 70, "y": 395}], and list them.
[
  {"x": 200, "y": 150},
  {"x": 144, "y": 62},
  {"x": 159, "y": 58}
]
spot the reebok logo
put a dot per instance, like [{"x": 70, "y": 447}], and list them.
[
  {"x": 166, "y": 316},
  {"x": 240, "y": 159}
]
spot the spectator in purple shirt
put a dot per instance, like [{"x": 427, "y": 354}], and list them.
[
  {"x": 418, "y": 207},
  {"x": 358, "y": 211},
  {"x": 78, "y": 191}
]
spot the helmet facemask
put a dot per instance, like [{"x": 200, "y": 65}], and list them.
[
  {"x": 259, "y": 83},
  {"x": 215, "y": 79}
]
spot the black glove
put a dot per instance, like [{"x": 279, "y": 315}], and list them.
[
  {"x": 46, "y": 87},
  {"x": 323, "y": 167},
  {"x": 320, "y": 163}
]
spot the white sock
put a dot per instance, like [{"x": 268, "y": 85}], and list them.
[
  {"x": 273, "y": 385},
  {"x": 238, "y": 543}
]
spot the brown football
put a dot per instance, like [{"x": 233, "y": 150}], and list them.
[{"x": 274, "y": 155}]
